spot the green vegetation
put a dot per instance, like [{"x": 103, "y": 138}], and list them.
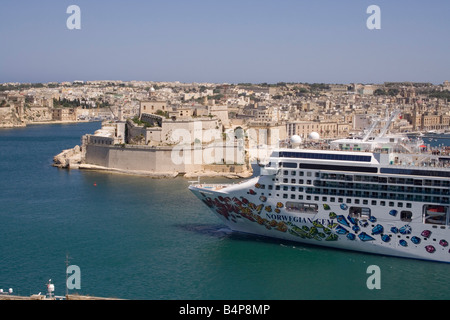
[
  {"x": 65, "y": 103},
  {"x": 161, "y": 113},
  {"x": 382, "y": 92},
  {"x": 440, "y": 94}
]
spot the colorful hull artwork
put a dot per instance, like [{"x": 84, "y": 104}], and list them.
[{"x": 332, "y": 225}]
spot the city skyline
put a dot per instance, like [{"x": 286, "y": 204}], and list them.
[{"x": 225, "y": 42}]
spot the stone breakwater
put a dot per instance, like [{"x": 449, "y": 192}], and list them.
[{"x": 70, "y": 158}]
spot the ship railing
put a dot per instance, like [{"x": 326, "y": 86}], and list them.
[
  {"x": 210, "y": 186},
  {"x": 431, "y": 165}
]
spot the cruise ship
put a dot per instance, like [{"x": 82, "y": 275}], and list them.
[{"x": 384, "y": 194}]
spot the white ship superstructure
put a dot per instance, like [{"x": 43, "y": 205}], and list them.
[{"x": 385, "y": 195}]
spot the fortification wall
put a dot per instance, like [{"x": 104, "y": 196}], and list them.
[{"x": 162, "y": 159}]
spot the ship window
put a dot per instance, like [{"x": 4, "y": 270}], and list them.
[
  {"x": 292, "y": 196},
  {"x": 359, "y": 212},
  {"x": 435, "y": 214},
  {"x": 391, "y": 204},
  {"x": 289, "y": 165},
  {"x": 302, "y": 207},
  {"x": 292, "y": 188},
  {"x": 285, "y": 196},
  {"x": 406, "y": 216},
  {"x": 338, "y": 168},
  {"x": 382, "y": 203}
]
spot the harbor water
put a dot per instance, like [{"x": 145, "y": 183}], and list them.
[{"x": 140, "y": 238}]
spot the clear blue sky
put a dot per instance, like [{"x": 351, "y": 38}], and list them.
[{"x": 225, "y": 41}]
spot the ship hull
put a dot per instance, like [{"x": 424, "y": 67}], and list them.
[{"x": 243, "y": 209}]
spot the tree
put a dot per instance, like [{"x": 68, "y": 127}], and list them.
[{"x": 379, "y": 92}]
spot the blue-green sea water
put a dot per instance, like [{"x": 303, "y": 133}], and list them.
[{"x": 141, "y": 238}]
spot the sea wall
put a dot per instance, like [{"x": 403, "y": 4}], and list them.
[{"x": 167, "y": 160}]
